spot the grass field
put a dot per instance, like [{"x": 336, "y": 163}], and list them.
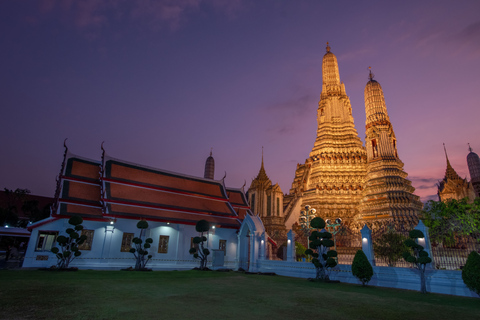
[{"x": 192, "y": 294}]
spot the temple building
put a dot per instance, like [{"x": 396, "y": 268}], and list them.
[
  {"x": 332, "y": 179},
  {"x": 387, "y": 194},
  {"x": 453, "y": 186},
  {"x": 112, "y": 195},
  {"x": 343, "y": 179},
  {"x": 266, "y": 201}
]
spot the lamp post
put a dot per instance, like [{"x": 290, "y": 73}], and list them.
[
  {"x": 306, "y": 216},
  {"x": 332, "y": 228}
]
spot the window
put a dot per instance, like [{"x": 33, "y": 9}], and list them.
[
  {"x": 269, "y": 205},
  {"x": 163, "y": 244},
  {"x": 126, "y": 242},
  {"x": 193, "y": 245},
  {"x": 222, "y": 245},
  {"x": 278, "y": 206},
  {"x": 253, "y": 203},
  {"x": 46, "y": 240},
  {"x": 87, "y": 245}
]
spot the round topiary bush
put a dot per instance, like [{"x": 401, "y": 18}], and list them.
[
  {"x": 75, "y": 220},
  {"x": 202, "y": 226},
  {"x": 317, "y": 223},
  {"x": 142, "y": 224},
  {"x": 471, "y": 272}
]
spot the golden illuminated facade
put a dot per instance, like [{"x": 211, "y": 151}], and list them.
[
  {"x": 266, "y": 201},
  {"x": 453, "y": 186},
  {"x": 343, "y": 179},
  {"x": 388, "y": 195},
  {"x": 332, "y": 178}
]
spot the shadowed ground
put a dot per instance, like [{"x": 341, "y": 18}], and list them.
[{"x": 192, "y": 294}]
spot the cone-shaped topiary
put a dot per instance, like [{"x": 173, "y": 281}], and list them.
[
  {"x": 69, "y": 244},
  {"x": 471, "y": 272},
  {"x": 361, "y": 268},
  {"x": 201, "y": 253},
  {"x": 417, "y": 256}
]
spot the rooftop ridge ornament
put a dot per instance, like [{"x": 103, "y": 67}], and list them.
[
  {"x": 371, "y": 75},
  {"x": 469, "y": 147},
  {"x": 328, "y": 47}
]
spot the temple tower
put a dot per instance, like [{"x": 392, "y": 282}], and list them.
[
  {"x": 266, "y": 201},
  {"x": 209, "y": 167},
  {"x": 453, "y": 186},
  {"x": 473, "y": 162},
  {"x": 388, "y": 195},
  {"x": 332, "y": 178}
]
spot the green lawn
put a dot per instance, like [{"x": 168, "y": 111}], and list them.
[{"x": 211, "y": 295}]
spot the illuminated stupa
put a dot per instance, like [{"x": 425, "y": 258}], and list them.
[
  {"x": 332, "y": 179},
  {"x": 388, "y": 195}
]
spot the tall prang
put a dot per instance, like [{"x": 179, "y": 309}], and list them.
[
  {"x": 388, "y": 195},
  {"x": 332, "y": 178},
  {"x": 473, "y": 162}
]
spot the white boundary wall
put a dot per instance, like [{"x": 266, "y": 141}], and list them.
[{"x": 438, "y": 281}]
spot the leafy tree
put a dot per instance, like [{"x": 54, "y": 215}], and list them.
[
  {"x": 202, "y": 253},
  {"x": 299, "y": 250},
  {"x": 140, "y": 247},
  {"x": 9, "y": 210},
  {"x": 69, "y": 244},
  {"x": 390, "y": 247},
  {"x": 16, "y": 200},
  {"x": 471, "y": 272},
  {"x": 417, "y": 256},
  {"x": 361, "y": 268},
  {"x": 454, "y": 217},
  {"x": 320, "y": 241}
]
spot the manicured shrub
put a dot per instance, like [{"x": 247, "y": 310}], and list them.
[
  {"x": 320, "y": 243},
  {"x": 201, "y": 253},
  {"x": 69, "y": 244},
  {"x": 471, "y": 272},
  {"x": 140, "y": 252},
  {"x": 417, "y": 256},
  {"x": 361, "y": 268}
]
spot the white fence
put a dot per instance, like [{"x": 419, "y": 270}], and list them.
[{"x": 438, "y": 281}]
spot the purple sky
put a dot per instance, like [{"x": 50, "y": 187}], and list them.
[{"x": 161, "y": 82}]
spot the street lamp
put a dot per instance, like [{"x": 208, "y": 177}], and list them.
[
  {"x": 306, "y": 216},
  {"x": 332, "y": 228}
]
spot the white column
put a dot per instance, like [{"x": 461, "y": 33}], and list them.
[{"x": 367, "y": 245}]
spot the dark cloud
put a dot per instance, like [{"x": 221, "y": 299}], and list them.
[
  {"x": 288, "y": 115},
  {"x": 170, "y": 14}
]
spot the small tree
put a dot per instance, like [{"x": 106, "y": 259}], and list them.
[
  {"x": 202, "y": 253},
  {"x": 390, "y": 246},
  {"x": 69, "y": 244},
  {"x": 471, "y": 272},
  {"x": 361, "y": 268},
  {"x": 320, "y": 241},
  {"x": 419, "y": 258},
  {"x": 140, "y": 251}
]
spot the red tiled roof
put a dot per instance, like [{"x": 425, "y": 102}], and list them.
[{"x": 134, "y": 191}]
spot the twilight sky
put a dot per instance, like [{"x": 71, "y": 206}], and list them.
[{"x": 163, "y": 81}]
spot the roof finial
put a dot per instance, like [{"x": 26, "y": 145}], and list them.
[
  {"x": 211, "y": 150},
  {"x": 371, "y": 75},
  {"x": 328, "y": 47},
  {"x": 262, "y": 156},
  {"x": 469, "y": 148},
  {"x": 445, "y": 148},
  {"x": 65, "y": 144}
]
